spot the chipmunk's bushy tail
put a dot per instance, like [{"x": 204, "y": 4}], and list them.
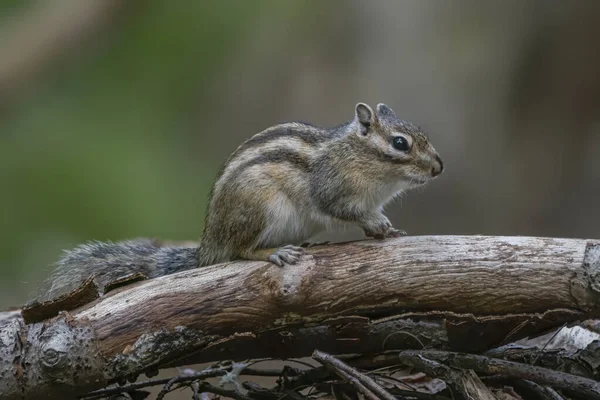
[{"x": 107, "y": 261}]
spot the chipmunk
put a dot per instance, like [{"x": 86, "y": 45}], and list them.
[{"x": 278, "y": 189}]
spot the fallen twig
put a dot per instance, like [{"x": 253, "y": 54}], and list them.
[
  {"x": 543, "y": 392},
  {"x": 206, "y": 387},
  {"x": 207, "y": 373},
  {"x": 167, "y": 388},
  {"x": 169, "y": 382},
  {"x": 467, "y": 383},
  {"x": 360, "y": 381},
  {"x": 587, "y": 388},
  {"x": 583, "y": 362}
]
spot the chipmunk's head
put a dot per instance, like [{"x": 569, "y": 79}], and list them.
[{"x": 400, "y": 150}]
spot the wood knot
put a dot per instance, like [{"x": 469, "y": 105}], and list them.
[
  {"x": 286, "y": 285},
  {"x": 51, "y": 358}
]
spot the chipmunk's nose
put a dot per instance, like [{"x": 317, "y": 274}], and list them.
[{"x": 438, "y": 167}]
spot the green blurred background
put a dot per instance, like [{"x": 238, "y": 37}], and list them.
[{"x": 116, "y": 115}]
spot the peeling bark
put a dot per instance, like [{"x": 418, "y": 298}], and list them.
[{"x": 461, "y": 293}]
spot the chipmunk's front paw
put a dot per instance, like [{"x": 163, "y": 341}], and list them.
[
  {"x": 394, "y": 233},
  {"x": 289, "y": 254},
  {"x": 378, "y": 228},
  {"x": 383, "y": 229}
]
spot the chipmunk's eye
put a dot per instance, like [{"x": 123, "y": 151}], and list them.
[{"x": 400, "y": 143}]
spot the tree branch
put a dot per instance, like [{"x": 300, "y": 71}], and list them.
[{"x": 465, "y": 293}]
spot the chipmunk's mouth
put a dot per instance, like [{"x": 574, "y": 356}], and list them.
[
  {"x": 418, "y": 182},
  {"x": 413, "y": 181}
]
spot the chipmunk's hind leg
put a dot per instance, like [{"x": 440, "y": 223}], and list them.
[{"x": 288, "y": 254}]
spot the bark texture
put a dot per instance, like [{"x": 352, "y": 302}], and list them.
[{"x": 465, "y": 293}]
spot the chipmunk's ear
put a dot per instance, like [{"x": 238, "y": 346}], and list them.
[
  {"x": 385, "y": 111},
  {"x": 365, "y": 117}
]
